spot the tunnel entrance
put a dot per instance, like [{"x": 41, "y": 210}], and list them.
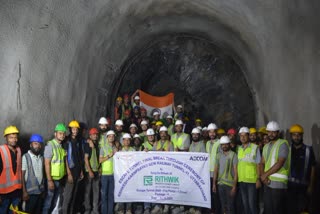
[{"x": 205, "y": 79}]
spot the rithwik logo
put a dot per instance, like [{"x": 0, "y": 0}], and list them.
[
  {"x": 166, "y": 179},
  {"x": 198, "y": 158}
]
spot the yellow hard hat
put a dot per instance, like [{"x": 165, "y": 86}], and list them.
[
  {"x": 296, "y": 128},
  {"x": 252, "y": 130},
  {"x": 119, "y": 98},
  {"x": 74, "y": 124},
  {"x": 263, "y": 130},
  {"x": 221, "y": 131},
  {"x": 10, "y": 130},
  {"x": 159, "y": 123},
  {"x": 198, "y": 120}
]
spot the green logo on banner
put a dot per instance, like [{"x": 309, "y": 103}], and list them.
[{"x": 147, "y": 180}]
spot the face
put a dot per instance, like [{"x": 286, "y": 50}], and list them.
[
  {"x": 119, "y": 102},
  {"x": 212, "y": 134},
  {"x": 158, "y": 128},
  {"x": 205, "y": 134},
  {"x": 126, "y": 100},
  {"x": 232, "y": 137},
  {"x": 144, "y": 127},
  {"x": 296, "y": 138},
  {"x": 179, "y": 110},
  {"x": 74, "y": 132},
  {"x": 225, "y": 147},
  {"x": 253, "y": 137},
  {"x": 126, "y": 141},
  {"x": 169, "y": 121},
  {"x": 133, "y": 130},
  {"x": 198, "y": 123},
  {"x": 12, "y": 139},
  {"x": 94, "y": 137},
  {"x": 111, "y": 138},
  {"x": 156, "y": 117},
  {"x": 103, "y": 127},
  {"x": 35, "y": 147},
  {"x": 273, "y": 135},
  {"x": 136, "y": 142},
  {"x": 265, "y": 139},
  {"x": 178, "y": 128},
  {"x": 163, "y": 135},
  {"x": 118, "y": 128},
  {"x": 137, "y": 102},
  {"x": 143, "y": 114},
  {"x": 195, "y": 137},
  {"x": 244, "y": 137},
  {"x": 136, "y": 111},
  {"x": 60, "y": 136},
  {"x": 151, "y": 138}
]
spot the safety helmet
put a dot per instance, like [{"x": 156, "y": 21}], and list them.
[
  {"x": 144, "y": 122},
  {"x": 136, "y": 136},
  {"x": 156, "y": 113},
  {"x": 10, "y": 130},
  {"x": 252, "y": 130},
  {"x": 179, "y": 106},
  {"x": 212, "y": 126},
  {"x": 74, "y": 124},
  {"x": 296, "y": 128},
  {"x": 263, "y": 130},
  {"x": 163, "y": 129},
  {"x": 178, "y": 122},
  {"x": 103, "y": 121},
  {"x": 126, "y": 96},
  {"x": 133, "y": 126},
  {"x": 273, "y": 126},
  {"x": 221, "y": 131},
  {"x": 136, "y": 98},
  {"x": 199, "y": 127},
  {"x": 93, "y": 131},
  {"x": 60, "y": 127},
  {"x": 159, "y": 123},
  {"x": 142, "y": 109},
  {"x": 204, "y": 129},
  {"x": 111, "y": 132},
  {"x": 244, "y": 130},
  {"x": 119, "y": 98},
  {"x": 169, "y": 117},
  {"x": 126, "y": 135},
  {"x": 198, "y": 120},
  {"x": 150, "y": 132},
  {"x": 36, "y": 138},
  {"x": 119, "y": 123},
  {"x": 195, "y": 131},
  {"x": 224, "y": 140},
  {"x": 232, "y": 131}
]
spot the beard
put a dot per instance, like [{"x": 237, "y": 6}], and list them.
[
  {"x": 297, "y": 142},
  {"x": 104, "y": 130},
  {"x": 35, "y": 151}
]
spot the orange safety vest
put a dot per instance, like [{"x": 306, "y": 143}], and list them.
[{"x": 8, "y": 180}]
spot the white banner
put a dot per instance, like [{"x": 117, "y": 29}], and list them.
[{"x": 162, "y": 177}]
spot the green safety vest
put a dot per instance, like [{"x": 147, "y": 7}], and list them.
[
  {"x": 94, "y": 164},
  {"x": 213, "y": 152},
  {"x": 197, "y": 146},
  {"x": 102, "y": 140},
  {"x": 129, "y": 150},
  {"x": 282, "y": 174},
  {"x": 170, "y": 129},
  {"x": 143, "y": 137},
  {"x": 226, "y": 177},
  {"x": 147, "y": 145},
  {"x": 165, "y": 146},
  {"x": 107, "y": 166},
  {"x": 178, "y": 140},
  {"x": 58, "y": 165},
  {"x": 247, "y": 166}
]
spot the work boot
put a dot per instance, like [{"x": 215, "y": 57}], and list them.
[{"x": 156, "y": 209}]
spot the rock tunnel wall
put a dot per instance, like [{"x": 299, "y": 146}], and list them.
[{"x": 59, "y": 60}]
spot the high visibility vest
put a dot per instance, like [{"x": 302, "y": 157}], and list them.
[
  {"x": 164, "y": 146},
  {"x": 179, "y": 140},
  {"x": 103, "y": 140},
  {"x": 32, "y": 184},
  {"x": 107, "y": 166},
  {"x": 196, "y": 147},
  {"x": 123, "y": 109},
  {"x": 94, "y": 163},
  {"x": 170, "y": 129},
  {"x": 147, "y": 145},
  {"x": 9, "y": 181},
  {"x": 58, "y": 165},
  {"x": 130, "y": 149},
  {"x": 226, "y": 177},
  {"x": 282, "y": 174},
  {"x": 247, "y": 166},
  {"x": 212, "y": 152}
]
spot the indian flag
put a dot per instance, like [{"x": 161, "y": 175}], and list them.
[{"x": 152, "y": 104}]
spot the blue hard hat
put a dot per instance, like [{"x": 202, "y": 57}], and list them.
[{"x": 36, "y": 138}]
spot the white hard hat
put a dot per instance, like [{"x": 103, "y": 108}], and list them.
[
  {"x": 119, "y": 123},
  {"x": 103, "y": 121},
  {"x": 163, "y": 129},
  {"x": 178, "y": 122},
  {"x": 179, "y": 106},
  {"x": 169, "y": 117},
  {"x": 204, "y": 128},
  {"x": 110, "y": 133},
  {"x": 136, "y": 98},
  {"x": 155, "y": 113},
  {"x": 244, "y": 130},
  {"x": 273, "y": 126},
  {"x": 144, "y": 122},
  {"x": 224, "y": 140},
  {"x": 212, "y": 126},
  {"x": 136, "y": 135},
  {"x": 195, "y": 131},
  {"x": 126, "y": 135},
  {"x": 133, "y": 125},
  {"x": 199, "y": 127},
  {"x": 150, "y": 132}
]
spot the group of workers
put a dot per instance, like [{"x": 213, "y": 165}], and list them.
[{"x": 74, "y": 173}]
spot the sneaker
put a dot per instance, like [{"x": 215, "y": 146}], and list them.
[{"x": 156, "y": 209}]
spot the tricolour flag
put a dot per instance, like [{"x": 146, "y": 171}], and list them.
[{"x": 163, "y": 105}]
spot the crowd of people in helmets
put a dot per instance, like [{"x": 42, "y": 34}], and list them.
[{"x": 252, "y": 170}]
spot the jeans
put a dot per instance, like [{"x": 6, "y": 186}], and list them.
[
  {"x": 107, "y": 194},
  {"x": 6, "y": 202},
  {"x": 34, "y": 204},
  {"x": 52, "y": 197},
  {"x": 92, "y": 187},
  {"x": 69, "y": 196},
  {"x": 249, "y": 196},
  {"x": 227, "y": 201},
  {"x": 274, "y": 200},
  {"x": 215, "y": 203}
]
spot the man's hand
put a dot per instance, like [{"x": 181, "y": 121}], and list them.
[
  {"x": 25, "y": 196},
  {"x": 51, "y": 185},
  {"x": 214, "y": 188},
  {"x": 264, "y": 177},
  {"x": 233, "y": 191},
  {"x": 70, "y": 179},
  {"x": 258, "y": 184},
  {"x": 91, "y": 174}
]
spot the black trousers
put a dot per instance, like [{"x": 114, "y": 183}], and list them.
[{"x": 274, "y": 200}]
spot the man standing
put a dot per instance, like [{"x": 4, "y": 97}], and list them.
[
  {"x": 118, "y": 127},
  {"x": 32, "y": 176},
  {"x": 197, "y": 145},
  {"x": 275, "y": 170},
  {"x": 164, "y": 144},
  {"x": 302, "y": 172},
  {"x": 10, "y": 170},
  {"x": 248, "y": 172},
  {"x": 180, "y": 140},
  {"x": 103, "y": 127},
  {"x": 55, "y": 167}
]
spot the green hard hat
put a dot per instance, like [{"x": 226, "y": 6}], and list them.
[{"x": 60, "y": 127}]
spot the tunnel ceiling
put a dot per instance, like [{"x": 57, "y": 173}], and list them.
[{"x": 203, "y": 76}]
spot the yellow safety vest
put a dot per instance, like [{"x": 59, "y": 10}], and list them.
[
  {"x": 107, "y": 166},
  {"x": 282, "y": 174},
  {"x": 58, "y": 166},
  {"x": 130, "y": 149},
  {"x": 147, "y": 145},
  {"x": 170, "y": 129},
  {"x": 94, "y": 163},
  {"x": 226, "y": 177},
  {"x": 213, "y": 152},
  {"x": 178, "y": 140},
  {"x": 165, "y": 146},
  {"x": 103, "y": 140},
  {"x": 247, "y": 166}
]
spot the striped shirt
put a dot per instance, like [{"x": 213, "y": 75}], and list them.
[{"x": 37, "y": 165}]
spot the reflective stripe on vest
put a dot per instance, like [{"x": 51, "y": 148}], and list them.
[
  {"x": 130, "y": 149},
  {"x": 32, "y": 183},
  {"x": 8, "y": 180},
  {"x": 147, "y": 145},
  {"x": 226, "y": 177},
  {"x": 94, "y": 162},
  {"x": 213, "y": 152},
  {"x": 282, "y": 174},
  {"x": 247, "y": 167},
  {"x": 179, "y": 140},
  {"x": 58, "y": 166},
  {"x": 107, "y": 166},
  {"x": 164, "y": 146},
  {"x": 170, "y": 129},
  {"x": 103, "y": 140}
]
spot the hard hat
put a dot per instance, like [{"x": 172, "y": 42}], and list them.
[
  {"x": 244, "y": 130},
  {"x": 127, "y": 112},
  {"x": 93, "y": 131},
  {"x": 60, "y": 127},
  {"x": 150, "y": 132},
  {"x": 74, "y": 124},
  {"x": 103, "y": 121},
  {"x": 159, "y": 123},
  {"x": 163, "y": 129},
  {"x": 273, "y": 126},
  {"x": 179, "y": 106},
  {"x": 119, "y": 98},
  {"x": 221, "y": 131},
  {"x": 263, "y": 130},
  {"x": 119, "y": 123},
  {"x": 111, "y": 132},
  {"x": 144, "y": 122},
  {"x": 126, "y": 135},
  {"x": 126, "y": 96},
  {"x": 136, "y": 107},
  {"x": 204, "y": 129},
  {"x": 36, "y": 138},
  {"x": 136, "y": 98},
  {"x": 252, "y": 130},
  {"x": 296, "y": 128},
  {"x": 142, "y": 109},
  {"x": 156, "y": 113},
  {"x": 195, "y": 131},
  {"x": 224, "y": 140},
  {"x": 153, "y": 122},
  {"x": 178, "y": 122},
  {"x": 199, "y": 127},
  {"x": 232, "y": 131},
  {"x": 169, "y": 117},
  {"x": 212, "y": 126},
  {"x": 136, "y": 136},
  {"x": 133, "y": 126},
  {"x": 198, "y": 120},
  {"x": 10, "y": 130}
]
